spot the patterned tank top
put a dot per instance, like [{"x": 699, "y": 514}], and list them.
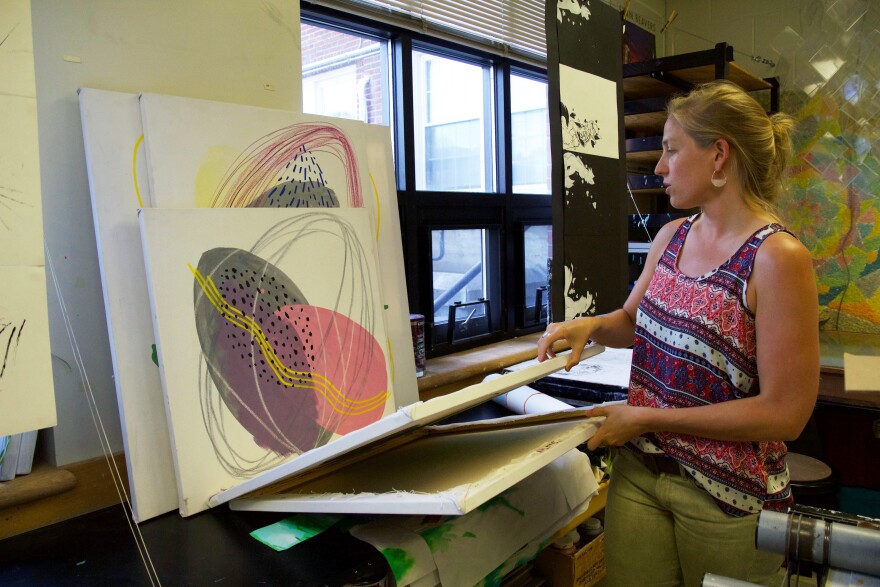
[{"x": 695, "y": 344}]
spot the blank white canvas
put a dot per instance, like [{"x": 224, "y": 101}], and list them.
[
  {"x": 213, "y": 450},
  {"x": 193, "y": 144},
  {"x": 118, "y": 184},
  {"x": 27, "y": 393}
]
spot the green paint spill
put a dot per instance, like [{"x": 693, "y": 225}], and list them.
[
  {"x": 155, "y": 356},
  {"x": 439, "y": 538},
  {"x": 290, "y": 531},
  {"x": 494, "y": 578},
  {"x": 500, "y": 501},
  {"x": 469, "y": 535},
  {"x": 399, "y": 560}
]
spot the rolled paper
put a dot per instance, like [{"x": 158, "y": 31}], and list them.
[{"x": 525, "y": 400}]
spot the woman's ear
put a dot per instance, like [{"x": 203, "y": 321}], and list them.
[{"x": 722, "y": 152}]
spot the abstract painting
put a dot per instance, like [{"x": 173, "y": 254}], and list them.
[
  {"x": 116, "y": 159},
  {"x": 243, "y": 156},
  {"x": 831, "y": 204},
  {"x": 585, "y": 98},
  {"x": 271, "y": 338},
  {"x": 27, "y": 393}
]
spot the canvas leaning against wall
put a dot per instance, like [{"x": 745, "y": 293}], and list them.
[
  {"x": 270, "y": 336},
  {"x": 115, "y": 146},
  {"x": 27, "y": 393},
  {"x": 119, "y": 186},
  {"x": 244, "y": 156}
]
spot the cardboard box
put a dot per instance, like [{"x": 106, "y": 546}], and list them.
[{"x": 584, "y": 568}]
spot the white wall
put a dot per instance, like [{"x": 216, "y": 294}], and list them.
[
  {"x": 750, "y": 26},
  {"x": 244, "y": 51}
]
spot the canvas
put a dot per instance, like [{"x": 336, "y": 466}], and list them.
[
  {"x": 21, "y": 217},
  {"x": 21, "y": 212},
  {"x": 118, "y": 184},
  {"x": 271, "y": 338},
  {"x": 244, "y": 156},
  {"x": 400, "y": 464},
  {"x": 27, "y": 393}
]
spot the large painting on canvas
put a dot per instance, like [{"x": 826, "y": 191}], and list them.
[
  {"x": 244, "y": 156},
  {"x": 319, "y": 151},
  {"x": 270, "y": 335}
]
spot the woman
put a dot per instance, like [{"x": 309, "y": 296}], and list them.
[{"x": 723, "y": 323}]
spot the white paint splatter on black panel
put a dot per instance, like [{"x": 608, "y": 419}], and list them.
[
  {"x": 572, "y": 12},
  {"x": 578, "y": 179},
  {"x": 579, "y": 299}
]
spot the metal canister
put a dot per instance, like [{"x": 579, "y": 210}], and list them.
[{"x": 417, "y": 325}]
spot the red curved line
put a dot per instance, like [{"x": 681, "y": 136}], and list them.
[{"x": 256, "y": 169}]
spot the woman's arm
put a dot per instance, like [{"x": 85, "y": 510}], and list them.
[
  {"x": 782, "y": 292},
  {"x": 615, "y": 329}
]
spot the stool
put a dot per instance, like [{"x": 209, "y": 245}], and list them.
[{"x": 812, "y": 481}]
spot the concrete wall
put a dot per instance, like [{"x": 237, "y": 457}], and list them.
[{"x": 244, "y": 51}]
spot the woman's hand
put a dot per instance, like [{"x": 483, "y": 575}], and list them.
[
  {"x": 576, "y": 332},
  {"x": 622, "y": 424}
]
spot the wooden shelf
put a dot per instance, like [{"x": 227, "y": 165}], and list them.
[
  {"x": 646, "y": 123},
  {"x": 679, "y": 73},
  {"x": 650, "y": 192}
]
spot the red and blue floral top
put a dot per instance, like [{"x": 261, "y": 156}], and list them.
[{"x": 695, "y": 344}]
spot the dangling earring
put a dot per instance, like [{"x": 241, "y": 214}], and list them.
[{"x": 718, "y": 182}]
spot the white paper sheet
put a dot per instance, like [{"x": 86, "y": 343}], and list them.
[{"x": 860, "y": 372}]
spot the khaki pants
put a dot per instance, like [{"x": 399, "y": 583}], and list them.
[{"x": 660, "y": 529}]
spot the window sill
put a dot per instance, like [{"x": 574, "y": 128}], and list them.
[{"x": 453, "y": 372}]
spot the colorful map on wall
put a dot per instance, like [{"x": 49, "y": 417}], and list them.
[{"x": 832, "y": 206}]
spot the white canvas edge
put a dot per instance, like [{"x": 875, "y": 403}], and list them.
[
  {"x": 457, "y": 501},
  {"x": 181, "y": 501},
  {"x": 144, "y": 424}
]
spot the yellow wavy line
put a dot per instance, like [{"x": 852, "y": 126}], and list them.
[
  {"x": 286, "y": 376},
  {"x": 134, "y": 170},
  {"x": 248, "y": 324}
]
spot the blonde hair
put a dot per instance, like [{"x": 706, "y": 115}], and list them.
[{"x": 760, "y": 144}]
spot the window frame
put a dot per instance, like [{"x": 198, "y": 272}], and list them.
[{"x": 423, "y": 211}]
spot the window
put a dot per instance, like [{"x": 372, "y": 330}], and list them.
[
  {"x": 452, "y": 111},
  {"x": 345, "y": 74},
  {"x": 530, "y": 135},
  {"x": 461, "y": 285},
  {"x": 471, "y": 136},
  {"x": 538, "y": 251}
]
